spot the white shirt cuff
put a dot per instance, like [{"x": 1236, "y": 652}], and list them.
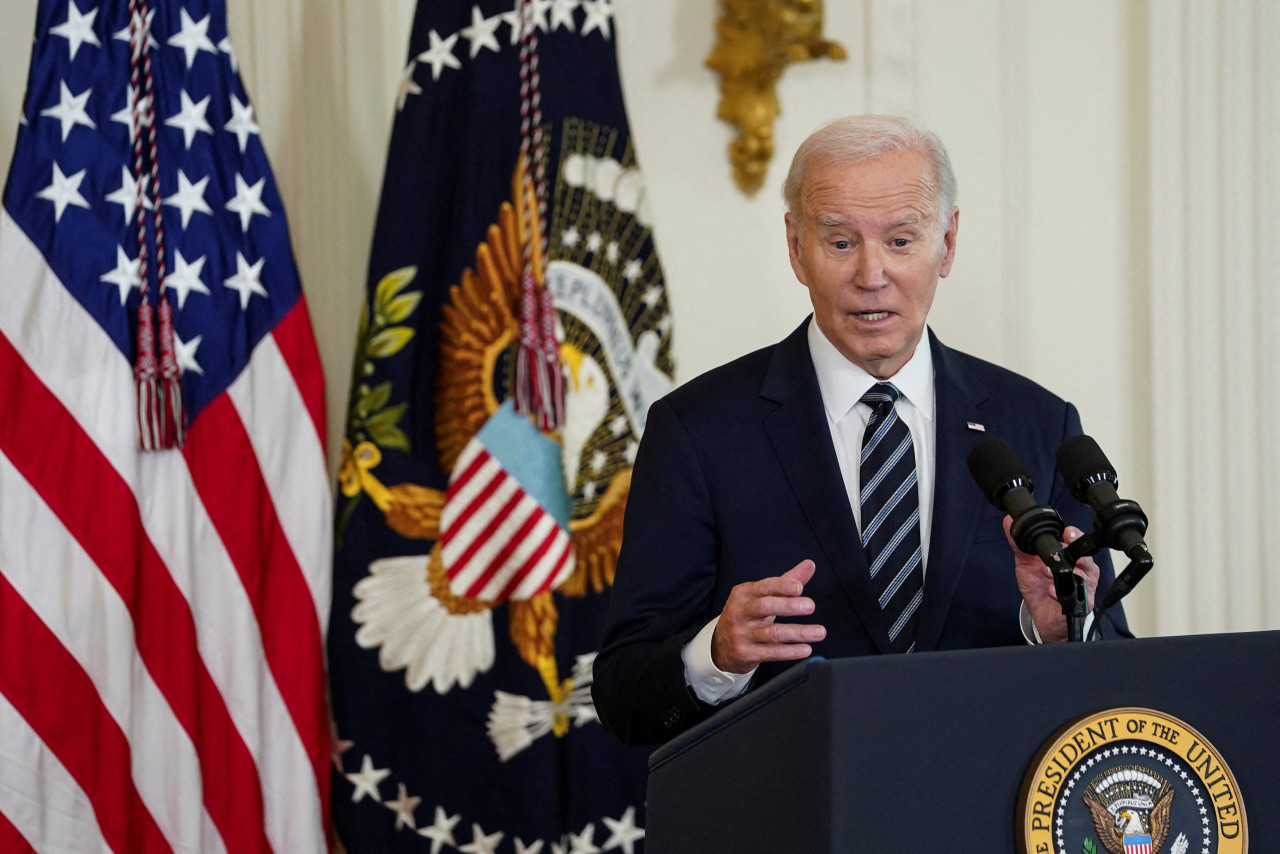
[
  {"x": 1032, "y": 634},
  {"x": 710, "y": 684}
]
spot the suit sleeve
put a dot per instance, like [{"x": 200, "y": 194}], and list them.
[
  {"x": 1114, "y": 625},
  {"x": 662, "y": 590}
]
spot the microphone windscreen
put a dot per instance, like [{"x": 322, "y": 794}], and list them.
[
  {"x": 1082, "y": 462},
  {"x": 993, "y": 465}
]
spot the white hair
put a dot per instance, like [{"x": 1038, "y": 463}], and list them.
[{"x": 854, "y": 139}]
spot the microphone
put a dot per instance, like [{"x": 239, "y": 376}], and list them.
[
  {"x": 1037, "y": 528},
  {"x": 1118, "y": 523}
]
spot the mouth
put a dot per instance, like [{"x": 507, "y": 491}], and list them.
[{"x": 871, "y": 316}]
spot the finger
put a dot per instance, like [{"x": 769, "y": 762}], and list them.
[
  {"x": 790, "y": 583},
  {"x": 782, "y": 642},
  {"x": 1086, "y": 565},
  {"x": 760, "y": 608},
  {"x": 802, "y": 572},
  {"x": 774, "y": 586},
  {"x": 788, "y": 606},
  {"x": 1008, "y": 535},
  {"x": 1087, "y": 569},
  {"x": 781, "y": 652},
  {"x": 788, "y": 633}
]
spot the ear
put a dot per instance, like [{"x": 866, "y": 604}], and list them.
[
  {"x": 949, "y": 241},
  {"x": 793, "y": 247}
]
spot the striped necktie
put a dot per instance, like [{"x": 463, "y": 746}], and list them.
[{"x": 891, "y": 516}]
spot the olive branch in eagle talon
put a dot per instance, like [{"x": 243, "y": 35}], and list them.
[
  {"x": 373, "y": 422},
  {"x": 380, "y": 337}
]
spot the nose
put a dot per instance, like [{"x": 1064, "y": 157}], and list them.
[{"x": 871, "y": 273}]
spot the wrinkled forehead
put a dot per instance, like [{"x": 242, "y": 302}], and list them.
[{"x": 897, "y": 188}]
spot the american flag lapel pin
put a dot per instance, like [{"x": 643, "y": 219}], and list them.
[{"x": 974, "y": 425}]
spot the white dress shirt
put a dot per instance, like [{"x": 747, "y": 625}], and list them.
[{"x": 842, "y": 384}]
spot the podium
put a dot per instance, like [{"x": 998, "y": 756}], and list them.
[{"x": 928, "y": 752}]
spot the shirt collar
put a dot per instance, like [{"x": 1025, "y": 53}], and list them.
[{"x": 843, "y": 383}]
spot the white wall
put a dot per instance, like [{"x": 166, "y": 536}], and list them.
[{"x": 1065, "y": 120}]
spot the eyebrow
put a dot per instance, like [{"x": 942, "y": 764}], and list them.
[{"x": 832, "y": 222}]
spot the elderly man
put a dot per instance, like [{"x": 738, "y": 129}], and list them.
[{"x": 812, "y": 498}]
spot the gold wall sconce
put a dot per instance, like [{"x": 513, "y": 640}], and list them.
[{"x": 757, "y": 39}]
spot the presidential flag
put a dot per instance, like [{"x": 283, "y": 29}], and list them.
[
  {"x": 515, "y": 331},
  {"x": 164, "y": 507}
]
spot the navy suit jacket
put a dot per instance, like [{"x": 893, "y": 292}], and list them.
[{"x": 736, "y": 480}]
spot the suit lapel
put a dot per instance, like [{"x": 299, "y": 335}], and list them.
[
  {"x": 802, "y": 440},
  {"x": 960, "y": 400}
]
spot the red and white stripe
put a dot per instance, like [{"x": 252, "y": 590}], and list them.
[
  {"x": 162, "y": 614},
  {"x": 496, "y": 541}
]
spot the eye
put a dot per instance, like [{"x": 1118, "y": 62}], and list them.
[
  {"x": 900, "y": 242},
  {"x": 841, "y": 244}
]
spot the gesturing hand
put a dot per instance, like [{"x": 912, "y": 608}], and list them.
[{"x": 748, "y": 632}]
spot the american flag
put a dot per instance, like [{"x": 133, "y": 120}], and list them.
[{"x": 161, "y": 612}]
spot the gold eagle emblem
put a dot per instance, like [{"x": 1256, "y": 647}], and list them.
[{"x": 406, "y": 607}]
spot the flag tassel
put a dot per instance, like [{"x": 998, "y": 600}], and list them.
[
  {"x": 171, "y": 379},
  {"x": 539, "y": 390},
  {"x": 161, "y": 416},
  {"x": 146, "y": 381}
]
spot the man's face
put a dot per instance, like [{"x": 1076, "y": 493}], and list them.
[{"x": 867, "y": 244}]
